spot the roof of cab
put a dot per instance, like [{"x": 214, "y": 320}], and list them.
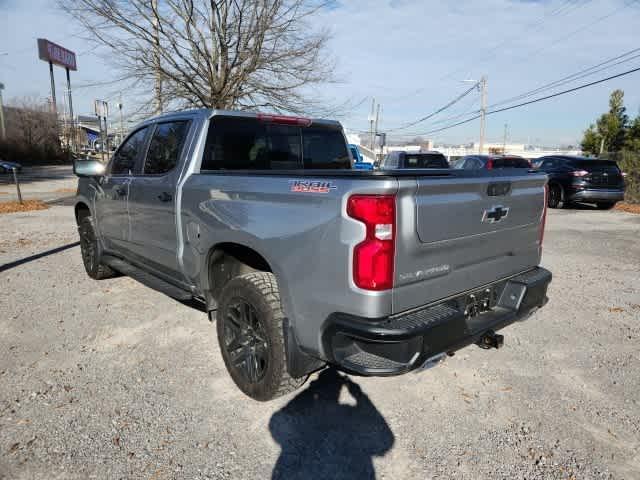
[{"x": 211, "y": 112}]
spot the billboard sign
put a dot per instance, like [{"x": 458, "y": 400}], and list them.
[
  {"x": 101, "y": 108},
  {"x": 54, "y": 53}
]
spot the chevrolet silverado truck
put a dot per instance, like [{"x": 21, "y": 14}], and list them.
[{"x": 302, "y": 260}]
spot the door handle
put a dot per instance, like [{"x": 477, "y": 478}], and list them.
[{"x": 165, "y": 197}]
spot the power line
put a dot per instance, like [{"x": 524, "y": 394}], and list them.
[
  {"x": 558, "y": 12},
  {"x": 579, "y": 29},
  {"x": 540, "y": 23},
  {"x": 562, "y": 81},
  {"x": 432, "y": 114},
  {"x": 580, "y": 87},
  {"x": 573, "y": 77},
  {"x": 511, "y": 107}
]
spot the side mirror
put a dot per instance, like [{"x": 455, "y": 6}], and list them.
[{"x": 88, "y": 168}]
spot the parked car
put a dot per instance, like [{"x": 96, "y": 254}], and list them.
[
  {"x": 582, "y": 179},
  {"x": 8, "y": 167},
  {"x": 404, "y": 160},
  {"x": 363, "y": 166},
  {"x": 303, "y": 261},
  {"x": 355, "y": 153},
  {"x": 490, "y": 162},
  {"x": 359, "y": 163}
]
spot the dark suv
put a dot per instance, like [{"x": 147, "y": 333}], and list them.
[
  {"x": 581, "y": 179},
  {"x": 400, "y": 159}
]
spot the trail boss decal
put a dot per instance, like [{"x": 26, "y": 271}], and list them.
[{"x": 306, "y": 186}]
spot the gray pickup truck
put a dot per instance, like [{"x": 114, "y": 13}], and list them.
[{"x": 304, "y": 261}]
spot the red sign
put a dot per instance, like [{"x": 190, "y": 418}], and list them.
[{"x": 54, "y": 53}]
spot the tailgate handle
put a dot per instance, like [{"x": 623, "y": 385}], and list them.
[{"x": 497, "y": 189}]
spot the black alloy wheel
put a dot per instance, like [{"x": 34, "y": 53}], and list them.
[
  {"x": 245, "y": 341},
  {"x": 90, "y": 250}
]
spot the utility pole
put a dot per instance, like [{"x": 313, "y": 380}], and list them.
[
  {"x": 371, "y": 120},
  {"x": 504, "y": 140},
  {"x": 482, "y": 85},
  {"x": 121, "y": 120},
  {"x": 3, "y": 133},
  {"x": 375, "y": 128},
  {"x": 156, "y": 57}
]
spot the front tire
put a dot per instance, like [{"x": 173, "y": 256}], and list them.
[
  {"x": 251, "y": 336},
  {"x": 91, "y": 252}
]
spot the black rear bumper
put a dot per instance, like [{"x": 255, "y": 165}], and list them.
[
  {"x": 596, "y": 195},
  {"x": 403, "y": 342}
]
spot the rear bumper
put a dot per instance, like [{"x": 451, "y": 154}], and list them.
[
  {"x": 597, "y": 195},
  {"x": 403, "y": 342}
]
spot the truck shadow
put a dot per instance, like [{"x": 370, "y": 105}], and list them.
[
  {"x": 322, "y": 438},
  {"x": 22, "y": 261}
]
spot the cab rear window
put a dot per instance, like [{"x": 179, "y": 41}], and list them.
[
  {"x": 235, "y": 143},
  {"x": 511, "y": 162},
  {"x": 426, "y": 161}
]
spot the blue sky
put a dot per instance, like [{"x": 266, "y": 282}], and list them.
[{"x": 411, "y": 55}]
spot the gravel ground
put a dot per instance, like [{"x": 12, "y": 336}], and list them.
[{"x": 113, "y": 380}]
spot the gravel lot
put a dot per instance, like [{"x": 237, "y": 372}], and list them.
[{"x": 113, "y": 380}]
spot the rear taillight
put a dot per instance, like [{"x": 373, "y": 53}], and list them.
[
  {"x": 373, "y": 258},
  {"x": 579, "y": 173},
  {"x": 284, "y": 120},
  {"x": 489, "y": 164},
  {"x": 543, "y": 221}
]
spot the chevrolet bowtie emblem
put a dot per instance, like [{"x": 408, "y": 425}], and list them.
[{"x": 495, "y": 214}]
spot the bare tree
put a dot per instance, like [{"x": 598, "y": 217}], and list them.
[
  {"x": 32, "y": 132},
  {"x": 232, "y": 54}
]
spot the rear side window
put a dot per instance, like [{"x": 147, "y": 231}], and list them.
[
  {"x": 426, "y": 161},
  {"x": 165, "y": 147},
  {"x": 250, "y": 144},
  {"x": 124, "y": 160},
  {"x": 324, "y": 148}
]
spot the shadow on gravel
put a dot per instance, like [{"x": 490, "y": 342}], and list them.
[
  {"x": 22, "y": 261},
  {"x": 322, "y": 438}
]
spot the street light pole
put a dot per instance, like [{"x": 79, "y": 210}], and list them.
[{"x": 483, "y": 111}]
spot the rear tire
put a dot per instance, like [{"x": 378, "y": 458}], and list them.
[
  {"x": 605, "y": 205},
  {"x": 556, "y": 196},
  {"x": 91, "y": 251},
  {"x": 251, "y": 336}
]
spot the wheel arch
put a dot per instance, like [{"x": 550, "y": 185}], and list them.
[
  {"x": 81, "y": 210},
  {"x": 226, "y": 260}
]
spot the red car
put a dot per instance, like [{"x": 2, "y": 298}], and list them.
[{"x": 489, "y": 162}]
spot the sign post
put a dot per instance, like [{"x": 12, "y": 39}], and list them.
[
  {"x": 3, "y": 133},
  {"x": 57, "y": 55},
  {"x": 102, "y": 111}
]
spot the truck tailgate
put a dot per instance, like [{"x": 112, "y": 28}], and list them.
[{"x": 462, "y": 231}]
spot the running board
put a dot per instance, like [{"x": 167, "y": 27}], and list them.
[{"x": 146, "y": 278}]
